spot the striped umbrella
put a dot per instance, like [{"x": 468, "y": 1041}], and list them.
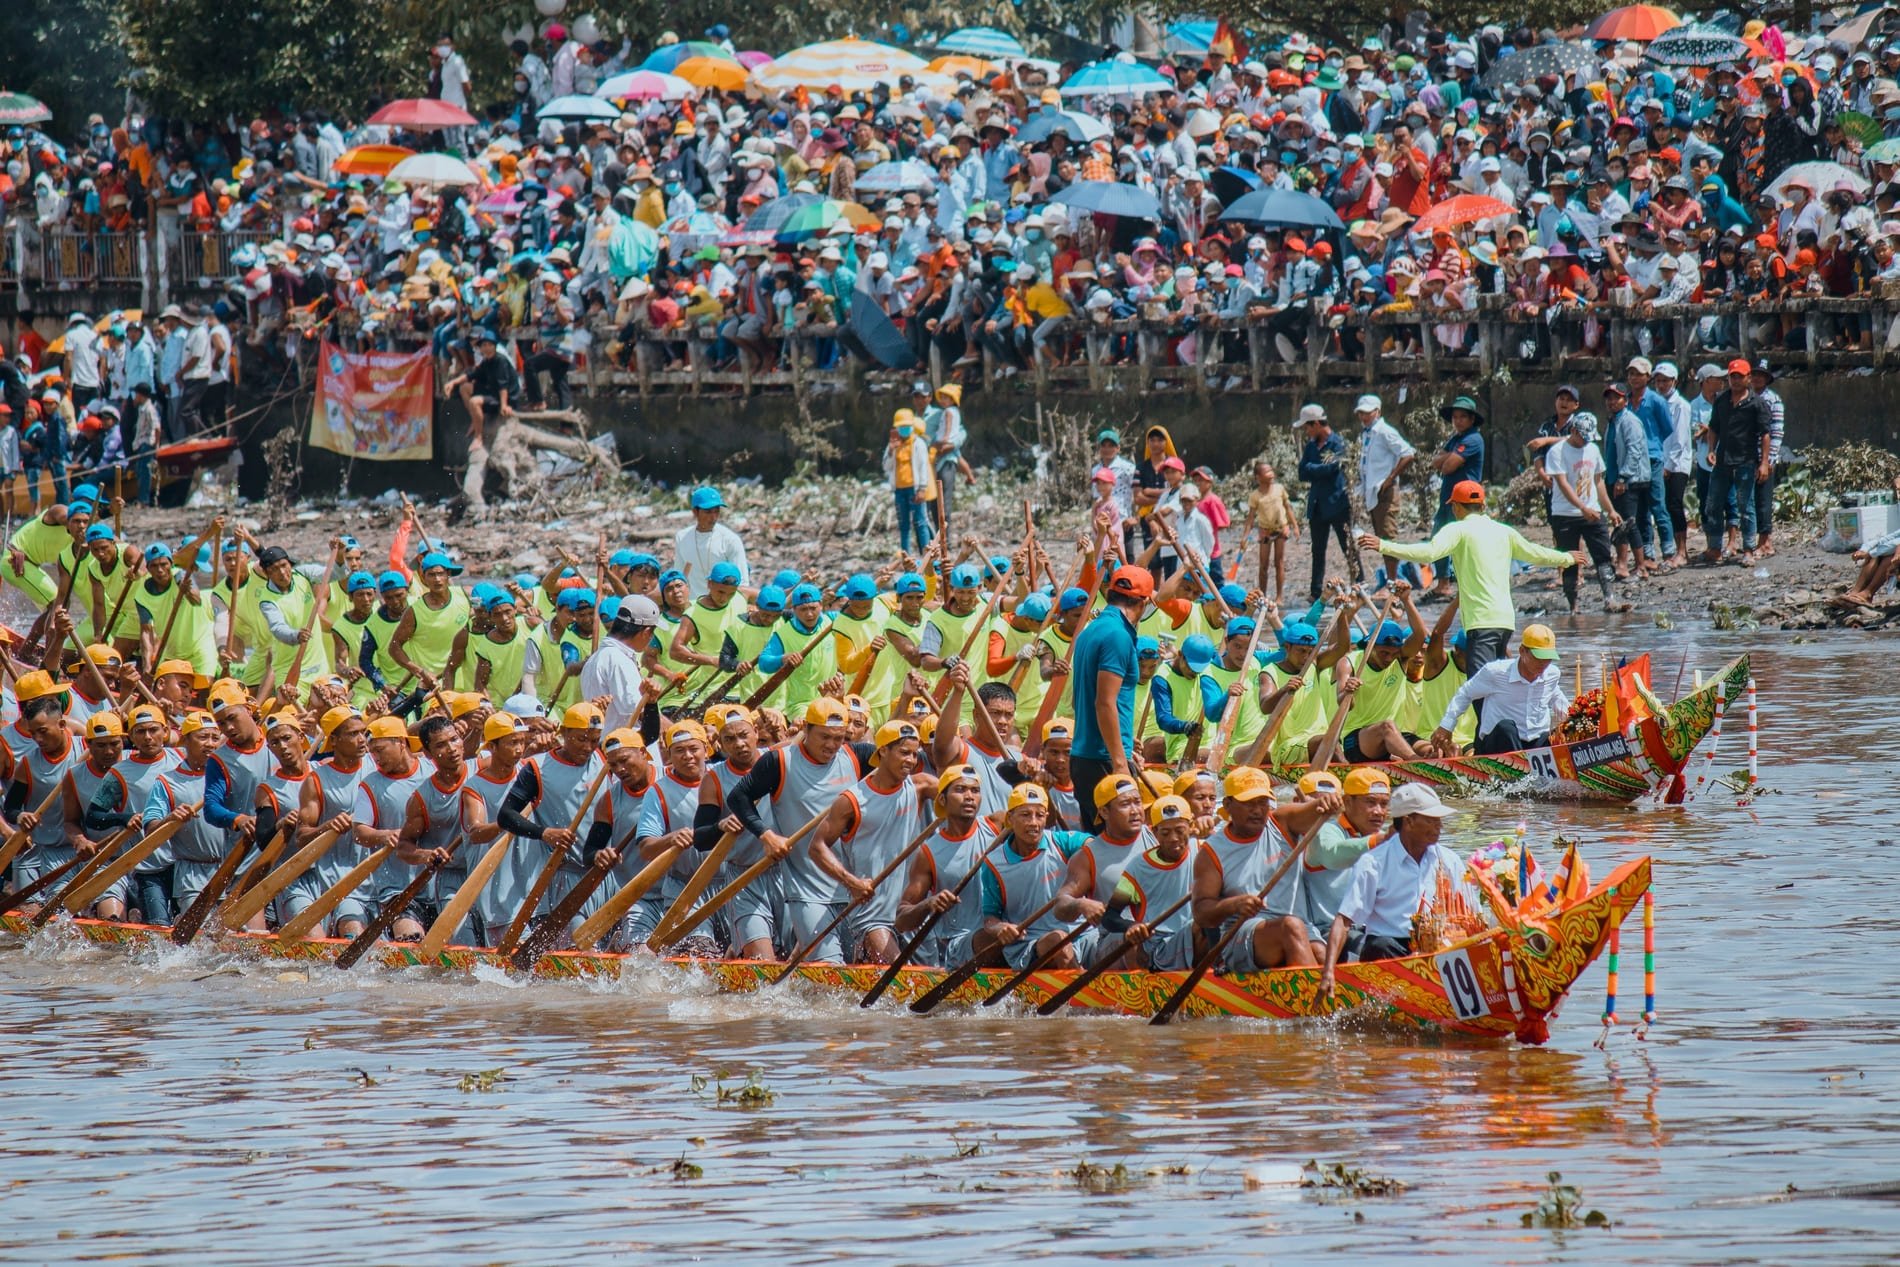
[
  {"x": 854, "y": 65},
  {"x": 1640, "y": 22},
  {"x": 1116, "y": 78},
  {"x": 18, "y": 108},
  {"x": 711, "y": 72},
  {"x": 981, "y": 41},
  {"x": 816, "y": 218},
  {"x": 668, "y": 59},
  {"x": 371, "y": 160},
  {"x": 769, "y": 218},
  {"x": 752, "y": 58},
  {"x": 645, "y": 85},
  {"x": 964, "y": 64}
]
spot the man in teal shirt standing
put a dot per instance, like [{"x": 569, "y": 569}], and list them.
[{"x": 1482, "y": 550}]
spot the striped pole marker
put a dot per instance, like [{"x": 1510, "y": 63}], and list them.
[
  {"x": 1752, "y": 729},
  {"x": 1715, "y": 741},
  {"x": 1649, "y": 959}
]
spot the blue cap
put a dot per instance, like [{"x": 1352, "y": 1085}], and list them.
[
  {"x": 771, "y": 598},
  {"x": 965, "y": 577},
  {"x": 1147, "y": 648},
  {"x": 357, "y": 582},
  {"x": 1235, "y": 596},
  {"x": 806, "y": 593},
  {"x": 434, "y": 543},
  {"x": 79, "y": 507},
  {"x": 622, "y": 558},
  {"x": 642, "y": 560},
  {"x": 100, "y": 532},
  {"x": 526, "y": 580},
  {"x": 500, "y": 598},
  {"x": 437, "y": 559},
  {"x": 997, "y": 566},
  {"x": 579, "y": 596},
  {"x": 1198, "y": 651},
  {"x": 1297, "y": 633},
  {"x": 203, "y": 562},
  {"x": 858, "y": 587},
  {"x": 723, "y": 574},
  {"x": 1392, "y": 634},
  {"x": 1073, "y": 598},
  {"x": 1239, "y": 626},
  {"x": 86, "y": 492},
  {"x": 480, "y": 592},
  {"x": 349, "y": 542},
  {"x": 234, "y": 546},
  {"x": 610, "y": 608},
  {"x": 706, "y": 498},
  {"x": 787, "y": 579},
  {"x": 567, "y": 572},
  {"x": 1034, "y": 607},
  {"x": 669, "y": 576},
  {"x": 392, "y": 581},
  {"x": 157, "y": 550},
  {"x": 1458, "y": 641},
  {"x": 909, "y": 583}
]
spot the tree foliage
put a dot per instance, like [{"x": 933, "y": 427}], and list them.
[
  {"x": 1345, "y": 22},
  {"x": 64, "y": 55}
]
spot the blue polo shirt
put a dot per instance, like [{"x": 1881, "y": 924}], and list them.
[
  {"x": 1468, "y": 445},
  {"x": 1107, "y": 643}
]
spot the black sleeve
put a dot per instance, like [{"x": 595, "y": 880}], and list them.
[
  {"x": 864, "y": 753},
  {"x": 103, "y": 815},
  {"x": 599, "y": 836},
  {"x": 16, "y": 799},
  {"x": 650, "y": 724},
  {"x": 266, "y": 825},
  {"x": 527, "y": 787},
  {"x": 759, "y": 782},
  {"x": 706, "y": 831}
]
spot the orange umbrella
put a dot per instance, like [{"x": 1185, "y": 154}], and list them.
[
  {"x": 371, "y": 160},
  {"x": 963, "y": 63},
  {"x": 712, "y": 72},
  {"x": 1632, "y": 22},
  {"x": 1463, "y": 209},
  {"x": 861, "y": 217}
]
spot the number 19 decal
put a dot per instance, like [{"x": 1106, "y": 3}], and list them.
[{"x": 1461, "y": 985}]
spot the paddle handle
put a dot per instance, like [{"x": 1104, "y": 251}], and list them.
[
  {"x": 1226, "y": 731},
  {"x": 1085, "y": 978},
  {"x": 542, "y": 881},
  {"x": 785, "y": 671},
  {"x": 696, "y": 886},
  {"x": 731, "y": 891},
  {"x": 101, "y": 857},
  {"x": 186, "y": 926},
  {"x": 319, "y": 910},
  {"x": 243, "y": 907},
  {"x": 817, "y": 939},
  {"x": 17, "y": 841},
  {"x": 389, "y": 913},
  {"x": 22, "y": 896},
  {"x": 595, "y": 926},
  {"x": 109, "y": 876},
  {"x": 911, "y": 947},
  {"x": 541, "y": 940},
  {"x": 944, "y": 988},
  {"x": 463, "y": 902}
]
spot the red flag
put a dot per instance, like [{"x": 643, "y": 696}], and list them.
[{"x": 1227, "y": 43}]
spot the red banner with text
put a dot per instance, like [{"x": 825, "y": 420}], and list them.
[{"x": 374, "y": 405}]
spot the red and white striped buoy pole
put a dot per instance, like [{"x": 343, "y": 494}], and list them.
[{"x": 1752, "y": 729}]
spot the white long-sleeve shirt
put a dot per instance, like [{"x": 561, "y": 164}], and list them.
[
  {"x": 695, "y": 553},
  {"x": 1535, "y": 705},
  {"x": 614, "y": 671}
]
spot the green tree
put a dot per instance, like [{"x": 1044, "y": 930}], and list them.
[
  {"x": 64, "y": 55},
  {"x": 1345, "y": 22}
]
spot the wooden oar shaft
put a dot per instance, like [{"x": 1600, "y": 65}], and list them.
[
  {"x": 102, "y": 857},
  {"x": 713, "y": 904},
  {"x": 1055, "y": 610},
  {"x": 1087, "y": 977},
  {"x": 542, "y": 939},
  {"x": 1262, "y": 748},
  {"x": 300, "y": 924},
  {"x": 556, "y": 854},
  {"x": 910, "y": 948},
  {"x": 696, "y": 886},
  {"x": 817, "y": 939},
  {"x": 596, "y": 926},
  {"x": 1236, "y": 703},
  {"x": 122, "y": 866},
  {"x": 390, "y": 912},
  {"x": 17, "y": 841},
  {"x": 47, "y": 880},
  {"x": 944, "y": 988},
  {"x": 261, "y": 865},
  {"x": 242, "y": 908},
  {"x": 977, "y": 627},
  {"x": 456, "y": 909},
  {"x": 785, "y": 671},
  {"x": 186, "y": 926}
]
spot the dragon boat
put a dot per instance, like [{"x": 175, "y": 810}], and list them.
[
  {"x": 1497, "y": 980},
  {"x": 1644, "y": 758}
]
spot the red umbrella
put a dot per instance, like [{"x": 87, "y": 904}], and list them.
[
  {"x": 422, "y": 112},
  {"x": 1632, "y": 22},
  {"x": 1462, "y": 210}
]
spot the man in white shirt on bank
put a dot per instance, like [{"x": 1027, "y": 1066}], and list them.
[
  {"x": 1519, "y": 700},
  {"x": 1383, "y": 456},
  {"x": 707, "y": 542}
]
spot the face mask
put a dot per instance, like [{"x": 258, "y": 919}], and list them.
[
  {"x": 1034, "y": 235},
  {"x": 672, "y": 186},
  {"x": 443, "y": 51},
  {"x": 521, "y": 85},
  {"x": 904, "y": 432}
]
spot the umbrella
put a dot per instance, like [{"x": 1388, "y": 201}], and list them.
[
  {"x": 815, "y": 218},
  {"x": 853, "y": 64},
  {"x": 1640, "y": 22},
  {"x": 1555, "y": 58},
  {"x": 1110, "y": 198},
  {"x": 1884, "y": 152},
  {"x": 1115, "y": 78},
  {"x": 1860, "y": 126},
  {"x": 508, "y": 199},
  {"x": 1230, "y": 183},
  {"x": 1463, "y": 209},
  {"x": 710, "y": 72},
  {"x": 434, "y": 169},
  {"x": 18, "y": 108},
  {"x": 1079, "y": 126},
  {"x": 1193, "y": 38},
  {"x": 422, "y": 113},
  {"x": 1285, "y": 209},
  {"x": 768, "y": 218},
  {"x": 577, "y": 107},
  {"x": 963, "y": 64},
  {"x": 898, "y": 176},
  {"x": 1819, "y": 178},
  {"x": 645, "y": 85},
  {"x": 666, "y": 59},
  {"x": 875, "y": 336},
  {"x": 752, "y": 59},
  {"x": 371, "y": 160},
  {"x": 981, "y": 41},
  {"x": 1696, "y": 46}
]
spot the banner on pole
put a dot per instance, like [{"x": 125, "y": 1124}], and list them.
[{"x": 374, "y": 405}]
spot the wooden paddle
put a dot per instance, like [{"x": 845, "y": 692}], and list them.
[
  {"x": 242, "y": 907},
  {"x": 46, "y": 881},
  {"x": 456, "y": 909},
  {"x": 265, "y": 860},
  {"x": 101, "y": 857},
  {"x": 92, "y": 670},
  {"x": 903, "y": 856},
  {"x": 171, "y": 618},
  {"x": 948, "y": 986},
  {"x": 692, "y": 708},
  {"x": 541, "y": 882},
  {"x": 1212, "y": 954},
  {"x": 680, "y": 931},
  {"x": 597, "y": 925},
  {"x": 1192, "y": 564},
  {"x": 124, "y": 864},
  {"x": 701, "y": 880},
  {"x": 1225, "y": 732},
  {"x": 318, "y": 911},
  {"x": 542, "y": 939},
  {"x": 1055, "y": 604},
  {"x": 186, "y": 926},
  {"x": 391, "y": 911},
  {"x": 909, "y": 950},
  {"x": 17, "y": 841},
  {"x": 319, "y": 599},
  {"x": 784, "y": 671},
  {"x": 1108, "y": 960},
  {"x": 1058, "y": 685}
]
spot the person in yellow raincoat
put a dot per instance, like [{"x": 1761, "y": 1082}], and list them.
[{"x": 913, "y": 482}]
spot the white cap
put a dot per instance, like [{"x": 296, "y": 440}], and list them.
[
  {"x": 878, "y": 260},
  {"x": 1416, "y": 798},
  {"x": 1310, "y": 413},
  {"x": 1490, "y": 164},
  {"x": 523, "y": 705},
  {"x": 1368, "y": 404}
]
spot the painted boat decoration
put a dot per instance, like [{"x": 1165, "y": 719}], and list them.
[
  {"x": 1646, "y": 758},
  {"x": 1507, "y": 981}
]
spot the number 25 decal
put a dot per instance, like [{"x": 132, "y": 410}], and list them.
[{"x": 1461, "y": 985}]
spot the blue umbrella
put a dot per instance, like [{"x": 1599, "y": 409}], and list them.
[
  {"x": 1079, "y": 126},
  {"x": 1284, "y": 209},
  {"x": 1110, "y": 198},
  {"x": 1114, "y": 78},
  {"x": 1230, "y": 183},
  {"x": 1193, "y": 37},
  {"x": 898, "y": 176},
  {"x": 981, "y": 41}
]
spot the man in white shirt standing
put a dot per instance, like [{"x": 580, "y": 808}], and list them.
[
  {"x": 1580, "y": 509},
  {"x": 83, "y": 360},
  {"x": 707, "y": 542},
  {"x": 194, "y": 374},
  {"x": 1678, "y": 454},
  {"x": 217, "y": 400},
  {"x": 614, "y": 670},
  {"x": 1520, "y": 699},
  {"x": 1383, "y": 456}
]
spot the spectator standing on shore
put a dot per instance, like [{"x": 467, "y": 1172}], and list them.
[
  {"x": 1108, "y": 456},
  {"x": 1657, "y": 421},
  {"x": 1678, "y": 456},
  {"x": 1459, "y": 460},
  {"x": 1628, "y": 460},
  {"x": 1218, "y": 517},
  {"x": 1384, "y": 456},
  {"x": 913, "y": 484},
  {"x": 84, "y": 361},
  {"x": 1739, "y": 431},
  {"x": 1758, "y": 381},
  {"x": 1580, "y": 508},
  {"x": 1328, "y": 509},
  {"x": 1271, "y": 513}
]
